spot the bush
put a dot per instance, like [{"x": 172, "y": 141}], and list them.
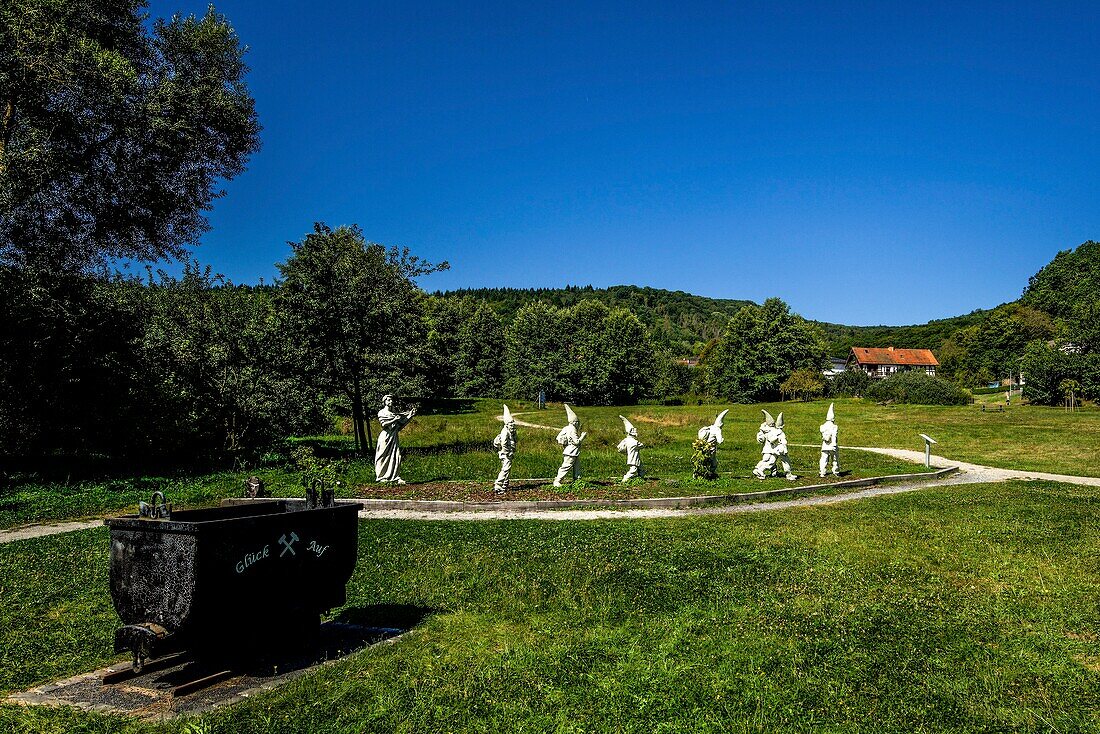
[
  {"x": 849, "y": 384},
  {"x": 918, "y": 388},
  {"x": 804, "y": 384}
]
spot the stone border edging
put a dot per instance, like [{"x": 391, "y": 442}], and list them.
[{"x": 443, "y": 506}]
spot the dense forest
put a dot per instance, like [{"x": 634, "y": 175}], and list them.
[
  {"x": 678, "y": 321},
  {"x": 684, "y": 323}
]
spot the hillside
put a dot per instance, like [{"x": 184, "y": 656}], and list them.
[
  {"x": 685, "y": 322},
  {"x": 932, "y": 335},
  {"x": 682, "y": 321}
]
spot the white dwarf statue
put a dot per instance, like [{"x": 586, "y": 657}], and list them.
[
  {"x": 774, "y": 448},
  {"x": 712, "y": 435},
  {"x": 767, "y": 451},
  {"x": 570, "y": 439},
  {"x": 631, "y": 446},
  {"x": 505, "y": 444},
  {"x": 830, "y": 446},
  {"x": 387, "y": 454}
]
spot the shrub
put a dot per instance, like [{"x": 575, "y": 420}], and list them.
[
  {"x": 804, "y": 384},
  {"x": 849, "y": 384},
  {"x": 704, "y": 459},
  {"x": 918, "y": 388}
]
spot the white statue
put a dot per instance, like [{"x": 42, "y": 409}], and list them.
[
  {"x": 712, "y": 434},
  {"x": 767, "y": 462},
  {"x": 830, "y": 447},
  {"x": 570, "y": 439},
  {"x": 774, "y": 451},
  {"x": 632, "y": 447},
  {"x": 505, "y": 444},
  {"x": 387, "y": 455}
]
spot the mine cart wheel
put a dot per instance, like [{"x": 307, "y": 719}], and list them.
[{"x": 144, "y": 641}]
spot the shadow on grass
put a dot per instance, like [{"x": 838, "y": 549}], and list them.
[
  {"x": 446, "y": 406},
  {"x": 401, "y": 617},
  {"x": 455, "y": 447}
]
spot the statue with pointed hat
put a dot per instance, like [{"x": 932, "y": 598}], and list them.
[
  {"x": 569, "y": 438},
  {"x": 830, "y": 446},
  {"x": 387, "y": 454},
  {"x": 632, "y": 447},
  {"x": 705, "y": 455},
  {"x": 505, "y": 444},
  {"x": 774, "y": 447},
  {"x": 762, "y": 438}
]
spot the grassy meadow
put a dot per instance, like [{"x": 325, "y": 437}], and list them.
[
  {"x": 964, "y": 608},
  {"x": 455, "y": 447}
]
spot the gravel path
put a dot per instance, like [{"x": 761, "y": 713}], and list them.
[
  {"x": 37, "y": 531},
  {"x": 967, "y": 474}
]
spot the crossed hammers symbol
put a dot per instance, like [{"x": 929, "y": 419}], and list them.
[{"x": 288, "y": 546}]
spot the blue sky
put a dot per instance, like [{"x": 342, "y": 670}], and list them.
[{"x": 866, "y": 162}]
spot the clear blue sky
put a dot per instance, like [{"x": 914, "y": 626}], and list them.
[{"x": 866, "y": 162}]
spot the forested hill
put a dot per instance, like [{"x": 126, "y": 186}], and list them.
[
  {"x": 682, "y": 321},
  {"x": 685, "y": 322},
  {"x": 933, "y": 335}
]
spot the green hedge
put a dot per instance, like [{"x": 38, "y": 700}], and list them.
[{"x": 917, "y": 388}]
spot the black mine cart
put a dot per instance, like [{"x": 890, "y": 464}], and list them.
[{"x": 232, "y": 579}]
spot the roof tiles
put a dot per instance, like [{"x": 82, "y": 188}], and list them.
[{"x": 891, "y": 355}]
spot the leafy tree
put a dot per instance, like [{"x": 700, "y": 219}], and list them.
[
  {"x": 1071, "y": 278},
  {"x": 479, "y": 358},
  {"x": 535, "y": 358},
  {"x": 215, "y": 361},
  {"x": 465, "y": 348},
  {"x": 589, "y": 354},
  {"x": 1044, "y": 367},
  {"x": 760, "y": 348},
  {"x": 628, "y": 356},
  {"x": 991, "y": 348},
  {"x": 443, "y": 319},
  {"x": 357, "y": 312},
  {"x": 69, "y": 382},
  {"x": 804, "y": 384},
  {"x": 113, "y": 138},
  {"x": 671, "y": 378}
]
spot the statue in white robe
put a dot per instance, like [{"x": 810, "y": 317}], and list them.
[{"x": 387, "y": 454}]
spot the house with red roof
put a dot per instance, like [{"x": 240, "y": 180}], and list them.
[{"x": 879, "y": 362}]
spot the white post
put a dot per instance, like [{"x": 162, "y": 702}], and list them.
[{"x": 928, "y": 441}]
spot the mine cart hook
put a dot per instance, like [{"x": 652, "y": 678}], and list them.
[{"x": 156, "y": 510}]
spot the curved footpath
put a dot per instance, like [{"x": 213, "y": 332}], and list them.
[{"x": 967, "y": 474}]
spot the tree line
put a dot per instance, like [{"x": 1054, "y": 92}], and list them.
[{"x": 193, "y": 365}]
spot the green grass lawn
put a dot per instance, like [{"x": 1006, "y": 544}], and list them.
[
  {"x": 457, "y": 448},
  {"x": 968, "y": 608}
]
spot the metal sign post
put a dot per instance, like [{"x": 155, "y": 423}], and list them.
[{"x": 928, "y": 441}]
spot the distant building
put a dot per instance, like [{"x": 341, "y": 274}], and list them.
[
  {"x": 879, "y": 362},
  {"x": 836, "y": 366},
  {"x": 689, "y": 361}
]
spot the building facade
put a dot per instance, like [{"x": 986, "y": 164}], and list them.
[{"x": 880, "y": 362}]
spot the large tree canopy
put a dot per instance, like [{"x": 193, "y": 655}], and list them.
[
  {"x": 356, "y": 311},
  {"x": 762, "y": 345},
  {"x": 112, "y": 138}
]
